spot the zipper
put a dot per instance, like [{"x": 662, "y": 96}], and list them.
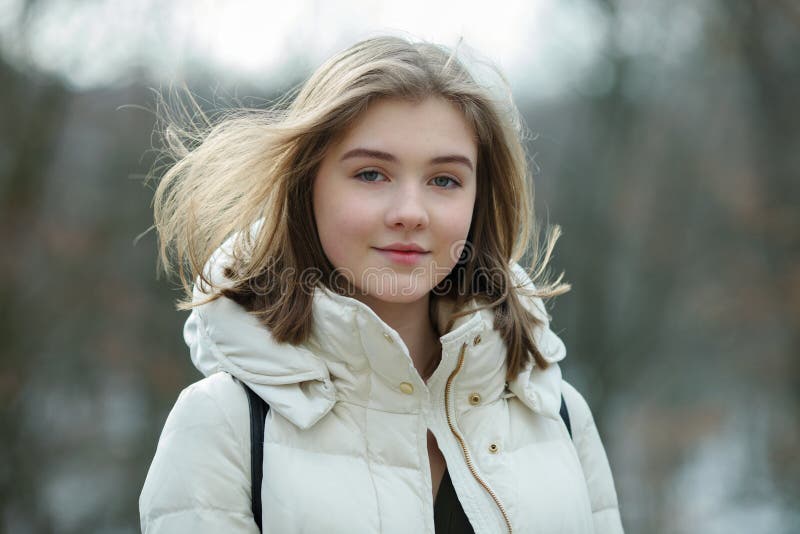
[{"x": 467, "y": 456}]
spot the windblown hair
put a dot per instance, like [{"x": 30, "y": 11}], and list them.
[{"x": 259, "y": 165}]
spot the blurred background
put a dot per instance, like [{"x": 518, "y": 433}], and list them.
[{"x": 667, "y": 143}]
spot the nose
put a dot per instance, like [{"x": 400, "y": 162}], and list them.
[{"x": 407, "y": 209}]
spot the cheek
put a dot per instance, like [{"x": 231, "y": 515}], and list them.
[
  {"x": 454, "y": 225},
  {"x": 342, "y": 227}
]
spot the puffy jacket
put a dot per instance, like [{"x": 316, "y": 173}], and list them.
[{"x": 345, "y": 444}]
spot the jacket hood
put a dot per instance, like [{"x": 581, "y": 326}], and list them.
[{"x": 296, "y": 381}]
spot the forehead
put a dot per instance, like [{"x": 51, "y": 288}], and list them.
[{"x": 427, "y": 126}]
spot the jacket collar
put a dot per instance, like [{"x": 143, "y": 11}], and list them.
[{"x": 298, "y": 381}]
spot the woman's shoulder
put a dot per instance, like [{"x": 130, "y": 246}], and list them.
[
  {"x": 212, "y": 412},
  {"x": 580, "y": 414},
  {"x": 201, "y": 468},
  {"x": 594, "y": 461},
  {"x": 217, "y": 400}
]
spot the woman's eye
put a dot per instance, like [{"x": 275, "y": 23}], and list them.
[
  {"x": 444, "y": 181},
  {"x": 370, "y": 176}
]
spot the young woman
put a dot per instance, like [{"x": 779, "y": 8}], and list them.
[{"x": 354, "y": 254}]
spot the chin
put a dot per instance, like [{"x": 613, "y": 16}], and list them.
[
  {"x": 404, "y": 298},
  {"x": 399, "y": 295}
]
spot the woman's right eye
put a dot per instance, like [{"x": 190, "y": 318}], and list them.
[{"x": 370, "y": 176}]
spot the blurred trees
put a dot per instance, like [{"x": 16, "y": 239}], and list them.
[
  {"x": 678, "y": 191},
  {"x": 673, "y": 170}
]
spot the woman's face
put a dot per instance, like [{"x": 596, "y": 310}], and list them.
[{"x": 403, "y": 176}]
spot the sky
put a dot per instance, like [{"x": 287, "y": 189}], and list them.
[{"x": 544, "y": 47}]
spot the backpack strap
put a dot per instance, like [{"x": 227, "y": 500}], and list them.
[
  {"x": 565, "y": 415},
  {"x": 258, "y": 412}
]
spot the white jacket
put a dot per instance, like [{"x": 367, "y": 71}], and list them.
[{"x": 345, "y": 445}]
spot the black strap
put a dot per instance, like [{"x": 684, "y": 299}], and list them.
[
  {"x": 565, "y": 416},
  {"x": 258, "y": 412}
]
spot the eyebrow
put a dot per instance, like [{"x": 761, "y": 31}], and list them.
[{"x": 378, "y": 154}]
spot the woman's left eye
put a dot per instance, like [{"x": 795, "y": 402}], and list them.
[{"x": 444, "y": 181}]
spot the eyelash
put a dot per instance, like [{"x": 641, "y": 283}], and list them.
[{"x": 455, "y": 183}]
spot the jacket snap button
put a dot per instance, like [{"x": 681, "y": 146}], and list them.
[
  {"x": 474, "y": 399},
  {"x": 493, "y": 448},
  {"x": 406, "y": 388},
  {"x": 388, "y": 337},
  {"x": 477, "y": 340}
]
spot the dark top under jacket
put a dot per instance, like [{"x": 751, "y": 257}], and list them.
[{"x": 448, "y": 515}]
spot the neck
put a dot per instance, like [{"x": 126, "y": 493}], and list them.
[{"x": 412, "y": 321}]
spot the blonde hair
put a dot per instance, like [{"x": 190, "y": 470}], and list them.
[{"x": 260, "y": 165}]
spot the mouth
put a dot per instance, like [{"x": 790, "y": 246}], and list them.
[
  {"x": 403, "y": 247},
  {"x": 403, "y": 257}
]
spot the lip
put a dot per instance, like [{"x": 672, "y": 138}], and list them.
[
  {"x": 402, "y": 257},
  {"x": 403, "y": 247}
]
